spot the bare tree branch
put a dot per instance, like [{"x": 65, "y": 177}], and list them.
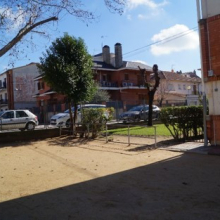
[
  {"x": 19, "y": 17},
  {"x": 28, "y": 27}
]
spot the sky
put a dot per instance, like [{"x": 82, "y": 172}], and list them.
[{"x": 162, "y": 32}]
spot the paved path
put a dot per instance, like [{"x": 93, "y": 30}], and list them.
[{"x": 193, "y": 147}]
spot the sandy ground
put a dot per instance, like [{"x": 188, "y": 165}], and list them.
[{"x": 64, "y": 178}]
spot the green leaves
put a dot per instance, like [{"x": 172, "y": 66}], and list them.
[
  {"x": 183, "y": 122},
  {"x": 67, "y": 68}
]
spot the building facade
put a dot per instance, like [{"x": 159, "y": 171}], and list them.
[
  {"x": 124, "y": 82},
  {"x": 3, "y": 92},
  {"x": 21, "y": 87},
  {"x": 178, "y": 89},
  {"x": 209, "y": 26},
  {"x": 122, "y": 79}
]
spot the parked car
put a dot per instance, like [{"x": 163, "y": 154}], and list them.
[
  {"x": 18, "y": 119},
  {"x": 138, "y": 113},
  {"x": 63, "y": 119}
]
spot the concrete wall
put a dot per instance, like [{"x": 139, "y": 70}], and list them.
[
  {"x": 213, "y": 95},
  {"x": 8, "y": 137}
]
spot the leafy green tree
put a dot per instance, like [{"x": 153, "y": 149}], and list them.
[
  {"x": 67, "y": 68},
  {"x": 100, "y": 96}
]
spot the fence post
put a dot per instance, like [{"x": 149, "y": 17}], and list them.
[
  {"x": 155, "y": 136},
  {"x": 128, "y": 135},
  {"x": 88, "y": 129},
  {"x": 106, "y": 128},
  {"x": 60, "y": 130}
]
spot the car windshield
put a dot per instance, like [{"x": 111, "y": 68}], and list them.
[
  {"x": 138, "y": 108},
  {"x": 67, "y": 111},
  {"x": 87, "y": 106},
  {"x": 1, "y": 113}
]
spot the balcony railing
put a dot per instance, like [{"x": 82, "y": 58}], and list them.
[
  {"x": 3, "y": 101},
  {"x": 124, "y": 83},
  {"x": 108, "y": 84},
  {"x": 3, "y": 85}
]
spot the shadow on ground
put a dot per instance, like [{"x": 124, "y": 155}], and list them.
[{"x": 185, "y": 187}]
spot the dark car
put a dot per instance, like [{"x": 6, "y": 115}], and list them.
[{"x": 138, "y": 113}]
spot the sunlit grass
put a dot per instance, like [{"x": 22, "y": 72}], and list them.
[{"x": 142, "y": 130}]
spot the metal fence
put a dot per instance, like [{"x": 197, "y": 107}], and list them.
[{"x": 105, "y": 133}]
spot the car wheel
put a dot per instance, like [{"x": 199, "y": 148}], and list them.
[
  {"x": 30, "y": 126},
  {"x": 68, "y": 123},
  {"x": 157, "y": 115},
  {"x": 137, "y": 118}
]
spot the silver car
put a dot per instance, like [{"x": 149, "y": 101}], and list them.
[
  {"x": 63, "y": 119},
  {"x": 18, "y": 119}
]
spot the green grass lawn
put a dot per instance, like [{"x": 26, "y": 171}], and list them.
[{"x": 142, "y": 131}]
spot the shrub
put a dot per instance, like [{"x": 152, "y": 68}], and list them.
[
  {"x": 183, "y": 121},
  {"x": 94, "y": 120}
]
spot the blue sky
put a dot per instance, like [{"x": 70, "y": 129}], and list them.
[{"x": 143, "y": 23}]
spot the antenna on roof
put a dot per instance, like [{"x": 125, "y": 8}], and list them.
[{"x": 102, "y": 37}]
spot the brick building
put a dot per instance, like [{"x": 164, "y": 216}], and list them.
[
  {"x": 209, "y": 25},
  {"x": 122, "y": 79}
]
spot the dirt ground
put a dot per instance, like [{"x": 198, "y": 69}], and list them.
[{"x": 64, "y": 178}]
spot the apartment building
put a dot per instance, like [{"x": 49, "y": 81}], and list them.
[
  {"x": 3, "y": 92},
  {"x": 17, "y": 87},
  {"x": 178, "y": 89}
]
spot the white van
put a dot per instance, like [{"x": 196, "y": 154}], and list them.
[{"x": 63, "y": 119}]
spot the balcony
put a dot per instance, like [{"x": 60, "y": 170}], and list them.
[
  {"x": 108, "y": 84},
  {"x": 124, "y": 83},
  {"x": 128, "y": 83},
  {"x": 3, "y": 101},
  {"x": 3, "y": 86}
]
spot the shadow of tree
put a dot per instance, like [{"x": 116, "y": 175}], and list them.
[{"x": 175, "y": 188}]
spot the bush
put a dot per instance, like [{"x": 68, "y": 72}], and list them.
[
  {"x": 183, "y": 121},
  {"x": 94, "y": 120}
]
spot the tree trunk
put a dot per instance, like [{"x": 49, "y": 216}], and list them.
[
  {"x": 150, "y": 112},
  {"x": 75, "y": 118},
  {"x": 71, "y": 117}
]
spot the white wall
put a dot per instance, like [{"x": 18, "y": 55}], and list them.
[
  {"x": 178, "y": 87},
  {"x": 210, "y": 8},
  {"x": 24, "y": 86},
  {"x": 213, "y": 95},
  {"x": 3, "y": 92}
]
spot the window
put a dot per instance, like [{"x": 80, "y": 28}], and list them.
[
  {"x": 126, "y": 76},
  {"x": 184, "y": 87},
  {"x": 21, "y": 114},
  {"x": 179, "y": 86},
  {"x": 104, "y": 77},
  {"x": 0, "y": 83},
  {"x": 170, "y": 87},
  {"x": 4, "y": 83},
  {"x": 8, "y": 115},
  {"x": 6, "y": 96},
  {"x": 40, "y": 85}
]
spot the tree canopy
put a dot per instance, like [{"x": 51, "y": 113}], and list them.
[
  {"x": 67, "y": 68},
  {"x": 21, "y": 17},
  {"x": 100, "y": 96}
]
